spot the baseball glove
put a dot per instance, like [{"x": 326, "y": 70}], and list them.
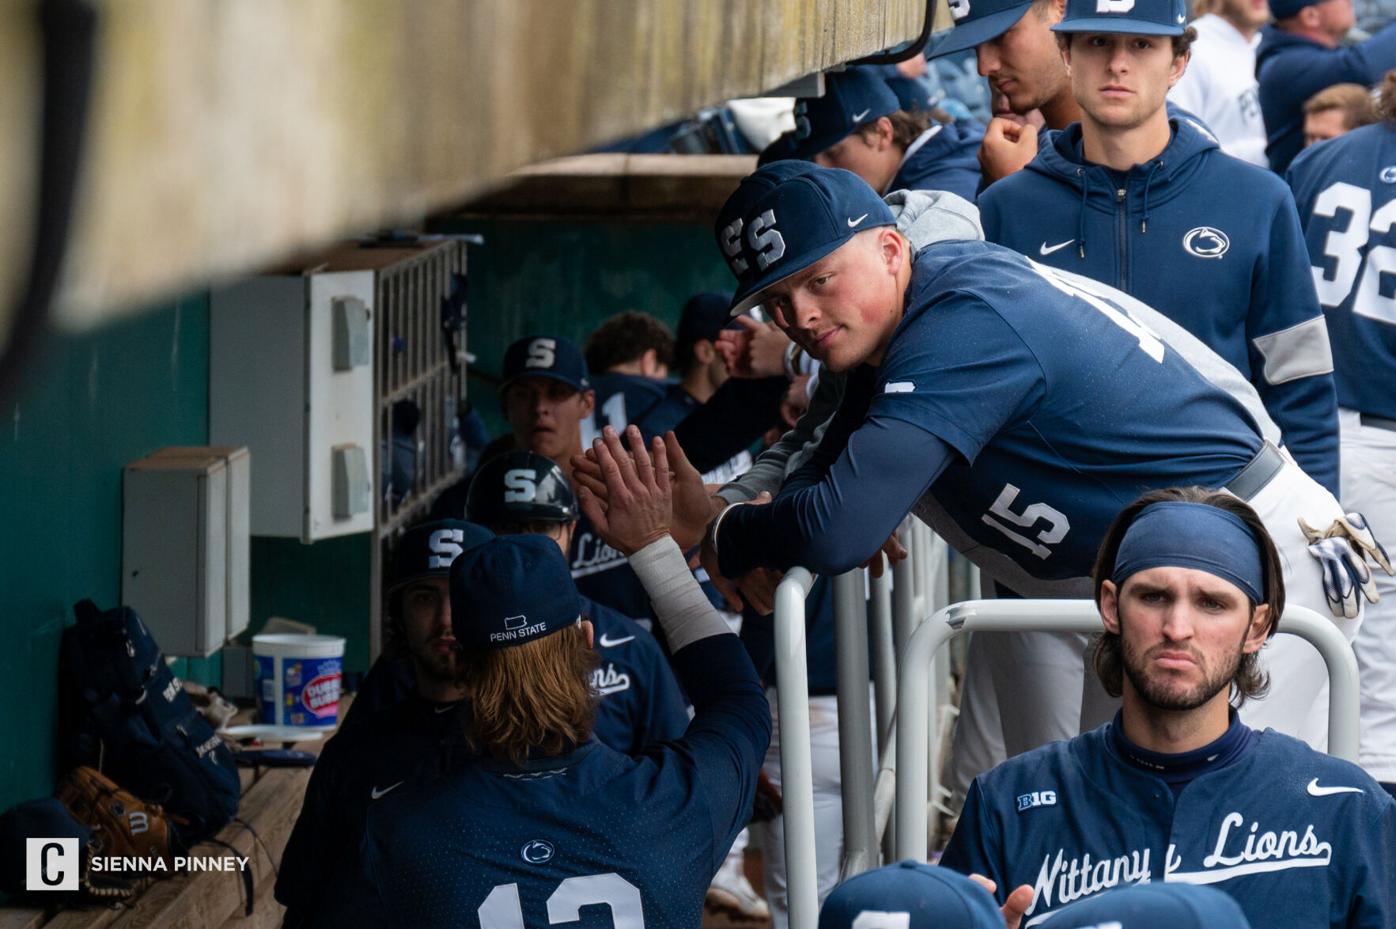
[{"x": 121, "y": 824}]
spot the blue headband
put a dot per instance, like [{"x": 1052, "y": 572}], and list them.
[{"x": 1192, "y": 535}]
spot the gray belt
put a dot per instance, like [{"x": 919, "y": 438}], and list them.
[
  {"x": 1252, "y": 479},
  {"x": 1377, "y": 422}
]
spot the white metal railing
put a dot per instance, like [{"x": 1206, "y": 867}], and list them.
[
  {"x": 910, "y": 621},
  {"x": 913, "y": 694}
]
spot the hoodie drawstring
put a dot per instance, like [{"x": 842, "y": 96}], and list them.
[
  {"x": 1148, "y": 179},
  {"x": 1081, "y": 220}
]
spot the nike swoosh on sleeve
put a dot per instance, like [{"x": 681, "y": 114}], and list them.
[
  {"x": 608, "y": 643},
  {"x": 1045, "y": 249},
  {"x": 1315, "y": 790}
]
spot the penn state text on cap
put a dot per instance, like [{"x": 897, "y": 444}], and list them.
[
  {"x": 511, "y": 590},
  {"x": 1153, "y": 906},
  {"x": 851, "y": 99},
  {"x": 1127, "y": 17},
  {"x": 545, "y": 356},
  {"x": 977, "y": 22},
  {"x": 931, "y": 897},
  {"x": 427, "y": 550},
  {"x": 788, "y": 215},
  {"x": 520, "y": 487}
]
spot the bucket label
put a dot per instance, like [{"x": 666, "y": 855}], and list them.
[
  {"x": 307, "y": 693},
  {"x": 321, "y": 695}
]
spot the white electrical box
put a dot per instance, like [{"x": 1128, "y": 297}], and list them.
[
  {"x": 239, "y": 515},
  {"x": 291, "y": 377},
  {"x": 174, "y": 558}
]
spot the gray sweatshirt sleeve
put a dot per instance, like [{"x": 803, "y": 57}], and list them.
[{"x": 780, "y": 460}]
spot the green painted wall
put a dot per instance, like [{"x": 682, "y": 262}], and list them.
[
  {"x": 89, "y": 405},
  {"x": 565, "y": 277},
  {"x": 325, "y": 584},
  {"x": 94, "y": 402}
]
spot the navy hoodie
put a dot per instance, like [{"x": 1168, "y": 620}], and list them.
[
  {"x": 1291, "y": 69},
  {"x": 944, "y": 157},
  {"x": 1211, "y": 242}
]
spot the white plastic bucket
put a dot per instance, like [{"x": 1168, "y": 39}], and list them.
[{"x": 298, "y": 679}]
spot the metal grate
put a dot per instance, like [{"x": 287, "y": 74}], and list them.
[{"x": 414, "y": 367}]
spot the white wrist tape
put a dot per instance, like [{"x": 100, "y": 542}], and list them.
[{"x": 683, "y": 609}]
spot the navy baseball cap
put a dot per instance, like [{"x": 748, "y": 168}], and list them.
[
  {"x": 545, "y": 356},
  {"x": 1153, "y": 906},
  {"x": 511, "y": 590},
  {"x": 703, "y": 317},
  {"x": 788, "y": 215},
  {"x": 427, "y": 550},
  {"x": 1284, "y": 9},
  {"x": 520, "y": 487},
  {"x": 851, "y": 99},
  {"x": 1138, "y": 17},
  {"x": 932, "y": 897},
  {"x": 977, "y": 22}
]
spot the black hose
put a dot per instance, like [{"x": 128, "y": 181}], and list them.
[{"x": 68, "y": 30}]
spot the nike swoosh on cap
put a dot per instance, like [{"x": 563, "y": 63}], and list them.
[
  {"x": 854, "y": 222},
  {"x": 858, "y": 117},
  {"x": 1317, "y": 791},
  {"x": 375, "y": 793},
  {"x": 607, "y": 643},
  {"x": 1045, "y": 249}
]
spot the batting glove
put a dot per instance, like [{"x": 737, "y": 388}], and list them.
[{"x": 1342, "y": 551}]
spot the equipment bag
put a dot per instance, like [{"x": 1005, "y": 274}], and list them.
[{"x": 124, "y": 713}]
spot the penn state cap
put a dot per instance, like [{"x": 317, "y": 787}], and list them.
[
  {"x": 427, "y": 550},
  {"x": 511, "y": 590},
  {"x": 545, "y": 356},
  {"x": 976, "y": 22},
  {"x": 1127, "y": 17},
  {"x": 520, "y": 487},
  {"x": 852, "y": 98},
  {"x": 1153, "y": 906},
  {"x": 788, "y": 215},
  {"x": 919, "y": 895}
]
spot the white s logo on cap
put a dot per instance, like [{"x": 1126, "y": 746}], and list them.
[
  {"x": 1114, "y": 6},
  {"x": 541, "y": 353},
  {"x": 959, "y": 9},
  {"x": 765, "y": 240},
  {"x": 519, "y": 486},
  {"x": 445, "y": 548}
]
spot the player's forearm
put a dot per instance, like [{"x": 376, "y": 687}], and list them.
[
  {"x": 838, "y": 523},
  {"x": 680, "y": 606}
]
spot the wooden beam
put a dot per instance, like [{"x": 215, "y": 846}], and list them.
[{"x": 224, "y": 136}]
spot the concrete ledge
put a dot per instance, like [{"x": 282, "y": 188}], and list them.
[{"x": 224, "y": 136}]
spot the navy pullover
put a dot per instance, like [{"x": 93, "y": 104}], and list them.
[{"x": 1206, "y": 239}]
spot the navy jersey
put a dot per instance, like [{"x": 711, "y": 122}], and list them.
[
  {"x": 640, "y": 700},
  {"x": 1345, "y": 189},
  {"x": 1299, "y": 839},
  {"x": 1211, "y": 242},
  {"x": 1056, "y": 407},
  {"x": 410, "y": 742},
  {"x": 621, "y": 399},
  {"x": 592, "y": 839},
  {"x": 678, "y": 405},
  {"x": 944, "y": 157},
  {"x": 603, "y": 574},
  {"x": 1292, "y": 68}
]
